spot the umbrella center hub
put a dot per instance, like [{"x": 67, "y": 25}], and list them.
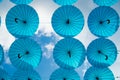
[
  {"x": 69, "y": 53},
  {"x": 2, "y": 79},
  {"x": 24, "y": 21},
  {"x": 101, "y": 22},
  {"x": 97, "y": 78},
  {"x": 64, "y": 79},
  {"x": 27, "y": 52},
  {"x": 67, "y": 21},
  {"x": 99, "y": 52},
  {"x": 29, "y": 79}
]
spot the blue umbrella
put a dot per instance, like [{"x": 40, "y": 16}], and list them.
[
  {"x": 4, "y": 75},
  {"x": 1, "y": 54},
  {"x": 21, "y": 1},
  {"x": 25, "y": 53},
  {"x": 69, "y": 53},
  {"x": 103, "y": 21},
  {"x": 26, "y": 75},
  {"x": 65, "y": 2},
  {"x": 67, "y": 21},
  {"x": 22, "y": 21},
  {"x": 119, "y": 21},
  {"x": 105, "y": 2},
  {"x": 64, "y": 74},
  {"x": 94, "y": 73},
  {"x": 101, "y": 52},
  {"x": 0, "y": 21}
]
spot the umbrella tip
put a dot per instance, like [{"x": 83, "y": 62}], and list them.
[
  {"x": 64, "y": 79},
  {"x": 2, "y": 79},
  {"x": 99, "y": 51},
  {"x": 101, "y": 22},
  {"x": 68, "y": 21},
  {"x": 97, "y": 78},
  {"x": 24, "y": 22},
  {"x": 69, "y": 53},
  {"x": 29, "y": 79},
  {"x": 27, "y": 52}
]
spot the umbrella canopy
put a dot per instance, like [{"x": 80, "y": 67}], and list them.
[
  {"x": 67, "y": 21},
  {"x": 4, "y": 75},
  {"x": 64, "y": 74},
  {"x": 22, "y": 21},
  {"x": 101, "y": 52},
  {"x": 94, "y": 73},
  {"x": 1, "y": 54},
  {"x": 21, "y": 1},
  {"x": 26, "y": 75},
  {"x": 69, "y": 53},
  {"x": 25, "y": 53},
  {"x": 65, "y": 2},
  {"x": 105, "y": 2},
  {"x": 103, "y": 21}
]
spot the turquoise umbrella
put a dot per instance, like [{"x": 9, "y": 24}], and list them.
[
  {"x": 21, "y": 1},
  {"x": 105, "y": 2},
  {"x": 26, "y": 75},
  {"x": 94, "y": 73},
  {"x": 103, "y": 21},
  {"x": 64, "y": 74},
  {"x": 67, "y": 21},
  {"x": 0, "y": 21},
  {"x": 69, "y": 53},
  {"x": 65, "y": 2},
  {"x": 25, "y": 53},
  {"x": 4, "y": 75},
  {"x": 22, "y": 21},
  {"x": 101, "y": 52},
  {"x": 1, "y": 54}
]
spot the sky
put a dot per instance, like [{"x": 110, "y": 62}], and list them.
[{"x": 47, "y": 38}]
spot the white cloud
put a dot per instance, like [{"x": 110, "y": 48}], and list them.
[
  {"x": 7, "y": 60},
  {"x": 83, "y": 68},
  {"x": 48, "y": 52},
  {"x": 115, "y": 67},
  {"x": 6, "y": 57},
  {"x": 49, "y": 46},
  {"x": 6, "y": 38}
]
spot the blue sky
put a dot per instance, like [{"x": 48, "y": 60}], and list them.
[{"x": 47, "y": 38}]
